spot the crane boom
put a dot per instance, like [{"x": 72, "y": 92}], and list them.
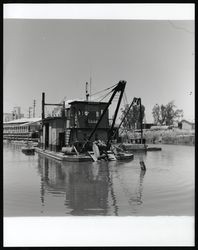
[{"x": 118, "y": 88}]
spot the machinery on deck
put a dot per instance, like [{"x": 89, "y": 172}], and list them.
[{"x": 103, "y": 150}]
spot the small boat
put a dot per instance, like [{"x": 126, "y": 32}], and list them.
[
  {"x": 28, "y": 149},
  {"x": 120, "y": 154},
  {"x": 124, "y": 156},
  {"x": 154, "y": 149}
]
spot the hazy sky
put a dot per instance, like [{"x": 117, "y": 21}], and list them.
[{"x": 156, "y": 58}]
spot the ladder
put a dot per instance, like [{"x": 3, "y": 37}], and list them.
[{"x": 67, "y": 136}]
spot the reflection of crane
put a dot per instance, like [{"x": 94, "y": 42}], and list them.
[
  {"x": 142, "y": 173},
  {"x": 134, "y": 198},
  {"x": 113, "y": 196}
]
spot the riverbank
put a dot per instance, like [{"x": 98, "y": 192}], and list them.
[{"x": 173, "y": 136}]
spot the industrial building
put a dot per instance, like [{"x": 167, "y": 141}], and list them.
[{"x": 22, "y": 129}]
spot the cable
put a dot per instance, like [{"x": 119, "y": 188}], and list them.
[
  {"x": 105, "y": 96},
  {"x": 103, "y": 90}
]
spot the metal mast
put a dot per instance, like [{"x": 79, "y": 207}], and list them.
[{"x": 34, "y": 106}]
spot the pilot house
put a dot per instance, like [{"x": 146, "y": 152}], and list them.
[{"x": 74, "y": 126}]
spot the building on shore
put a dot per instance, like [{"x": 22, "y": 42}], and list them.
[
  {"x": 7, "y": 117},
  {"x": 22, "y": 129},
  {"x": 186, "y": 125},
  {"x": 14, "y": 115}
]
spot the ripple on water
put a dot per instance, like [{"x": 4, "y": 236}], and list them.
[{"x": 41, "y": 186}]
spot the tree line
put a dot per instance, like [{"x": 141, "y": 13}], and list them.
[{"x": 162, "y": 115}]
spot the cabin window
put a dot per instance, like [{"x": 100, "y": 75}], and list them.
[
  {"x": 86, "y": 112},
  {"x": 97, "y": 114}
]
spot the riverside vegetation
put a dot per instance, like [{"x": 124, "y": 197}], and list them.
[{"x": 169, "y": 136}]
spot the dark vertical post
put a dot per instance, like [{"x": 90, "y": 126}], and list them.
[
  {"x": 64, "y": 121},
  {"x": 87, "y": 94},
  {"x": 140, "y": 117},
  {"x": 43, "y": 106},
  {"x": 63, "y": 110}
]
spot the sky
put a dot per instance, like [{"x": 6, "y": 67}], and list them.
[{"x": 57, "y": 57}]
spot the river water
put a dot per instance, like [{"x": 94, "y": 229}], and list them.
[{"x": 40, "y": 186}]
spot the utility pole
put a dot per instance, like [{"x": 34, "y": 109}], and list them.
[
  {"x": 30, "y": 111},
  {"x": 34, "y": 106},
  {"x": 43, "y": 106},
  {"x": 87, "y": 94}
]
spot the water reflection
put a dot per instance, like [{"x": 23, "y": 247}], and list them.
[
  {"x": 10, "y": 146},
  {"x": 36, "y": 185},
  {"x": 85, "y": 186},
  {"x": 88, "y": 188},
  {"x": 139, "y": 189}
]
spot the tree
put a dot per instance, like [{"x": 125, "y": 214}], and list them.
[
  {"x": 133, "y": 118},
  {"x": 166, "y": 114}
]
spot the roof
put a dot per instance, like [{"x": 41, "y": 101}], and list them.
[
  {"x": 191, "y": 123},
  {"x": 24, "y": 121}
]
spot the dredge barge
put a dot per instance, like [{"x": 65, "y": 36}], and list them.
[{"x": 81, "y": 127}]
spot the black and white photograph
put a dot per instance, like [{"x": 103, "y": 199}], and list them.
[{"x": 98, "y": 117}]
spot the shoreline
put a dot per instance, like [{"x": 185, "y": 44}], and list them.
[{"x": 169, "y": 137}]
